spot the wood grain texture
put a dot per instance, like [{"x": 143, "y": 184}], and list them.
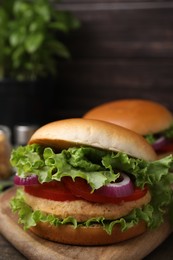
[
  {"x": 8, "y": 251},
  {"x": 102, "y": 81},
  {"x": 25, "y": 242},
  {"x": 110, "y": 32},
  {"x": 124, "y": 49}
]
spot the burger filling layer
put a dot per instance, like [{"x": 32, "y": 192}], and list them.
[
  {"x": 82, "y": 210},
  {"x": 87, "y": 172}
]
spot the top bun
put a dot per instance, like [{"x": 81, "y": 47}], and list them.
[
  {"x": 79, "y": 131},
  {"x": 142, "y": 116}
]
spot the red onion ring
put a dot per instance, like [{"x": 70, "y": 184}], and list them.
[
  {"x": 30, "y": 180},
  {"x": 120, "y": 189},
  {"x": 159, "y": 143}
]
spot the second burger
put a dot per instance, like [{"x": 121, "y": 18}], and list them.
[{"x": 148, "y": 118}]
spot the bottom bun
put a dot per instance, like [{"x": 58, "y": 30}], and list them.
[{"x": 87, "y": 236}]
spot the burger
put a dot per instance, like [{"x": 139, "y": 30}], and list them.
[
  {"x": 148, "y": 118},
  {"x": 88, "y": 182}
]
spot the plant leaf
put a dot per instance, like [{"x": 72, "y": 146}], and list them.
[{"x": 33, "y": 42}]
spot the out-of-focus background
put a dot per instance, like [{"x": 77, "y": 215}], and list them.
[
  {"x": 124, "y": 49},
  {"x": 56, "y": 65},
  {"x": 119, "y": 49}
]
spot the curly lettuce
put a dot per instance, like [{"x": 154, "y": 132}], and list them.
[{"x": 97, "y": 167}]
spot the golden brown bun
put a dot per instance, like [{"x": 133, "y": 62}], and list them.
[
  {"x": 94, "y": 235},
  {"x": 142, "y": 116},
  {"x": 79, "y": 131}
]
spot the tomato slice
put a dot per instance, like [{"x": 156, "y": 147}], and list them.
[
  {"x": 53, "y": 190},
  {"x": 76, "y": 190},
  {"x": 81, "y": 189}
]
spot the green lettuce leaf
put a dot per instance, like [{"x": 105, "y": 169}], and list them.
[
  {"x": 168, "y": 133},
  {"x": 151, "y": 138},
  {"x": 74, "y": 162},
  {"x": 96, "y": 166}
]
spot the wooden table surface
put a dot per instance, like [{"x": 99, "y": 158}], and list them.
[{"x": 164, "y": 251}]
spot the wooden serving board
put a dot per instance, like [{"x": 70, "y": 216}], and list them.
[{"x": 35, "y": 248}]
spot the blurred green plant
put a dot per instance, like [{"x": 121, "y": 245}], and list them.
[{"x": 31, "y": 33}]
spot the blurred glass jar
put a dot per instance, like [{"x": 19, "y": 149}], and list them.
[
  {"x": 5, "y": 153},
  {"x": 22, "y": 134}
]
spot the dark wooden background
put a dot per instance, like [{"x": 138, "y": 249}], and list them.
[{"x": 124, "y": 49}]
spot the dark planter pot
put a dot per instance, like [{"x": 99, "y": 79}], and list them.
[{"x": 26, "y": 102}]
